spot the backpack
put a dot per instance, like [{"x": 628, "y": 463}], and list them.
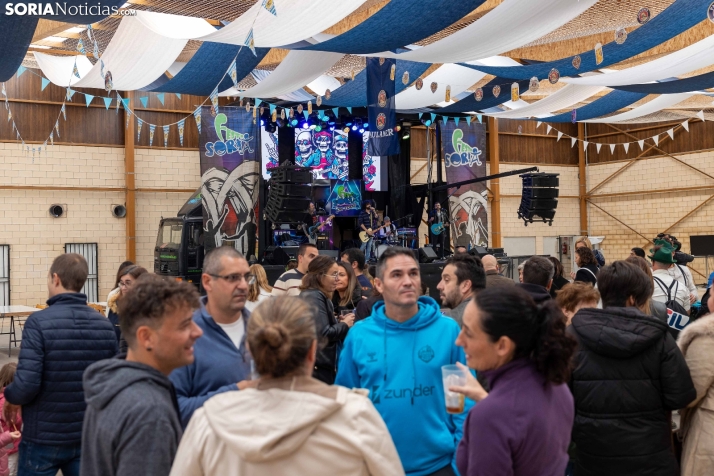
[{"x": 678, "y": 315}]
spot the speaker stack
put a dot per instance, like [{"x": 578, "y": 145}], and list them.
[
  {"x": 289, "y": 195},
  {"x": 540, "y": 198}
]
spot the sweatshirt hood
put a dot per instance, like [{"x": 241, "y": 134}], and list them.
[
  {"x": 263, "y": 425},
  {"x": 618, "y": 332},
  {"x": 105, "y": 379},
  {"x": 429, "y": 312}
]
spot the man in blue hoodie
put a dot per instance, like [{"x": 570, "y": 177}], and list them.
[
  {"x": 222, "y": 362},
  {"x": 397, "y": 354}
]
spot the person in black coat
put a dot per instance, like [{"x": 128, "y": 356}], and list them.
[
  {"x": 558, "y": 279},
  {"x": 585, "y": 259},
  {"x": 318, "y": 286},
  {"x": 127, "y": 279},
  {"x": 629, "y": 376},
  {"x": 58, "y": 344}
]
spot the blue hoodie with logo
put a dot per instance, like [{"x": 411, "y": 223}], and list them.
[{"x": 400, "y": 365}]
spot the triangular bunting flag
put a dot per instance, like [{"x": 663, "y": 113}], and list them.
[
  {"x": 258, "y": 102},
  {"x": 45, "y": 82},
  {"x": 197, "y": 116},
  {"x": 70, "y": 93},
  {"x": 700, "y": 114},
  {"x": 107, "y": 102},
  {"x": 270, "y": 6},
  {"x": 139, "y": 123},
  {"x": 75, "y": 72},
  {"x": 304, "y": 113},
  {"x": 641, "y": 144},
  {"x": 585, "y": 144},
  {"x": 444, "y": 119},
  {"x": 685, "y": 124},
  {"x": 612, "y": 148},
  {"x": 671, "y": 133},
  {"x": 178, "y": 95},
  {"x": 232, "y": 72},
  {"x": 573, "y": 140},
  {"x": 336, "y": 112},
  {"x": 64, "y": 112},
  {"x": 349, "y": 109},
  {"x": 144, "y": 100},
  {"x": 433, "y": 118},
  {"x": 249, "y": 42},
  {"x": 180, "y": 128},
  {"x": 166, "y": 135},
  {"x": 160, "y": 97},
  {"x": 57, "y": 127},
  {"x": 547, "y": 129},
  {"x": 538, "y": 124},
  {"x": 597, "y": 147},
  {"x": 116, "y": 110},
  {"x": 20, "y": 70},
  {"x": 479, "y": 117},
  {"x": 152, "y": 129},
  {"x": 656, "y": 139},
  {"x": 468, "y": 120},
  {"x": 52, "y": 138},
  {"x": 272, "y": 108},
  {"x": 125, "y": 102},
  {"x": 626, "y": 145},
  {"x": 560, "y": 134},
  {"x": 420, "y": 114},
  {"x": 456, "y": 120},
  {"x": 88, "y": 98}
]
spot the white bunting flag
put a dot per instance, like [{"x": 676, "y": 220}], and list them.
[
  {"x": 685, "y": 124},
  {"x": 585, "y": 144},
  {"x": 597, "y": 146},
  {"x": 538, "y": 124},
  {"x": 671, "y": 133},
  {"x": 626, "y": 145},
  {"x": 700, "y": 115},
  {"x": 573, "y": 140},
  {"x": 656, "y": 139},
  {"x": 612, "y": 148},
  {"x": 642, "y": 144},
  {"x": 560, "y": 134},
  {"x": 547, "y": 130}
]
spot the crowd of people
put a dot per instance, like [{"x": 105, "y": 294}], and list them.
[{"x": 336, "y": 369}]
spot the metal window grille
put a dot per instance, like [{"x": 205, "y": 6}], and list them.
[
  {"x": 89, "y": 251},
  {"x": 4, "y": 275}
]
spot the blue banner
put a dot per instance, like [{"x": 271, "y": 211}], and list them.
[
  {"x": 464, "y": 152},
  {"x": 230, "y": 169},
  {"x": 383, "y": 138}
]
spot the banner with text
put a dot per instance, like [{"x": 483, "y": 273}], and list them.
[
  {"x": 383, "y": 138},
  {"x": 230, "y": 169},
  {"x": 464, "y": 151}
]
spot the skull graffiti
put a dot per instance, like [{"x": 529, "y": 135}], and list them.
[{"x": 303, "y": 142}]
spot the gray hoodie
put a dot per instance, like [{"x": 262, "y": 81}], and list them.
[{"x": 131, "y": 426}]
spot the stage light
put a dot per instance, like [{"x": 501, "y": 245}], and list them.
[
  {"x": 427, "y": 123},
  {"x": 332, "y": 128},
  {"x": 366, "y": 125},
  {"x": 262, "y": 122},
  {"x": 294, "y": 122},
  {"x": 361, "y": 131},
  {"x": 405, "y": 136},
  {"x": 312, "y": 126},
  {"x": 354, "y": 128},
  {"x": 318, "y": 128},
  {"x": 398, "y": 128},
  {"x": 305, "y": 125},
  {"x": 348, "y": 123}
]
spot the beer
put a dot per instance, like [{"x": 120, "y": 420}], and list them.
[
  {"x": 453, "y": 376},
  {"x": 454, "y": 404}
]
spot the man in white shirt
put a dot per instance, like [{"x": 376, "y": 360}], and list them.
[
  {"x": 289, "y": 282},
  {"x": 679, "y": 271},
  {"x": 665, "y": 286}
]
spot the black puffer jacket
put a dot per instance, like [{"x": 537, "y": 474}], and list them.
[
  {"x": 629, "y": 374},
  {"x": 330, "y": 335}
]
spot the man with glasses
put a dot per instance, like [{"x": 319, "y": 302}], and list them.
[
  {"x": 222, "y": 362},
  {"x": 289, "y": 282}
]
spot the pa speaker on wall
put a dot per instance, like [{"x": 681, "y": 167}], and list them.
[
  {"x": 539, "y": 198},
  {"x": 118, "y": 211},
  {"x": 354, "y": 155},
  {"x": 57, "y": 210}
]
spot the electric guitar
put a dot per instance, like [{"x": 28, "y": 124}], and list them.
[
  {"x": 365, "y": 237},
  {"x": 438, "y": 228},
  {"x": 315, "y": 229}
]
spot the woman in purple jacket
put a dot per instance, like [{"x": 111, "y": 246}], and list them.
[{"x": 522, "y": 427}]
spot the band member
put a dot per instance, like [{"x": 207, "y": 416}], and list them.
[
  {"x": 438, "y": 216},
  {"x": 310, "y": 219},
  {"x": 389, "y": 232},
  {"x": 368, "y": 221}
]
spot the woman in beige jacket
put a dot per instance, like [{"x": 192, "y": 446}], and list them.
[
  {"x": 697, "y": 344},
  {"x": 291, "y": 424}
]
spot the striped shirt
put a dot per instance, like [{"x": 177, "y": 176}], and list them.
[{"x": 288, "y": 283}]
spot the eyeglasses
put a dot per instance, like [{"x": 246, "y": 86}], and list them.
[
  {"x": 335, "y": 276},
  {"x": 235, "y": 278}
]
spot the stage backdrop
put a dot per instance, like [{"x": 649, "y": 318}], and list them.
[
  {"x": 230, "y": 168},
  {"x": 324, "y": 151},
  {"x": 464, "y": 151}
]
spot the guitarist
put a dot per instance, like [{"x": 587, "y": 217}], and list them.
[
  {"x": 309, "y": 220},
  {"x": 438, "y": 216},
  {"x": 368, "y": 221}
]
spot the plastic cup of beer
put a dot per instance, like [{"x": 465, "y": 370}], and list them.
[{"x": 453, "y": 376}]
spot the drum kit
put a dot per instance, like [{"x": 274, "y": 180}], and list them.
[{"x": 404, "y": 237}]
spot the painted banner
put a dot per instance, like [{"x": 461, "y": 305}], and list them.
[
  {"x": 324, "y": 151},
  {"x": 383, "y": 138},
  {"x": 374, "y": 169},
  {"x": 464, "y": 152},
  {"x": 269, "y": 152},
  {"x": 230, "y": 169}
]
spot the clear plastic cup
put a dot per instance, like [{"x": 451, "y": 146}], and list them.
[{"x": 452, "y": 376}]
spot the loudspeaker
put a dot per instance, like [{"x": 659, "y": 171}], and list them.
[
  {"x": 331, "y": 253},
  {"x": 57, "y": 210},
  {"x": 276, "y": 256},
  {"x": 118, "y": 211},
  {"x": 354, "y": 155},
  {"x": 286, "y": 139},
  {"x": 702, "y": 245},
  {"x": 539, "y": 197},
  {"x": 426, "y": 254},
  {"x": 478, "y": 251},
  {"x": 291, "y": 251}
]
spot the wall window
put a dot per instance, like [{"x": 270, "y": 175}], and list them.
[{"x": 89, "y": 251}]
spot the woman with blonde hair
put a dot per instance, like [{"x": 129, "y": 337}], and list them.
[
  {"x": 348, "y": 292},
  {"x": 291, "y": 424},
  {"x": 260, "y": 290}
]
